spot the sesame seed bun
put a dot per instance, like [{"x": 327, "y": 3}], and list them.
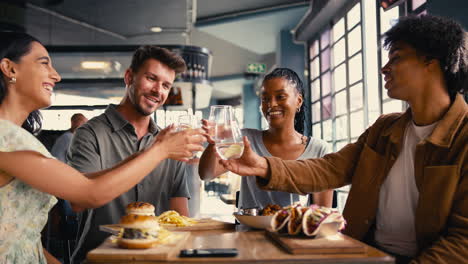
[
  {"x": 139, "y": 221},
  {"x": 140, "y": 208}
]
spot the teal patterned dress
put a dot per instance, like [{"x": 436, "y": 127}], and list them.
[{"x": 23, "y": 209}]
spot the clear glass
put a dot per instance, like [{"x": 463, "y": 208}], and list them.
[
  {"x": 357, "y": 123},
  {"x": 227, "y": 133},
  {"x": 315, "y": 87},
  {"x": 355, "y": 97},
  {"x": 338, "y": 29},
  {"x": 314, "y": 68},
  {"x": 354, "y": 41},
  {"x": 392, "y": 106},
  {"x": 325, "y": 60},
  {"x": 342, "y": 127},
  {"x": 339, "y": 77},
  {"x": 327, "y": 130},
  {"x": 314, "y": 49},
  {"x": 341, "y": 104},
  {"x": 185, "y": 122},
  {"x": 327, "y": 111},
  {"x": 316, "y": 112},
  {"x": 355, "y": 69},
  {"x": 317, "y": 131},
  {"x": 354, "y": 15},
  {"x": 339, "y": 52}
]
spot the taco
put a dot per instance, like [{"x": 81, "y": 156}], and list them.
[
  {"x": 295, "y": 221},
  {"x": 280, "y": 220},
  {"x": 315, "y": 216}
]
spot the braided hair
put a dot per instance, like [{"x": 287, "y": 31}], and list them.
[{"x": 293, "y": 79}]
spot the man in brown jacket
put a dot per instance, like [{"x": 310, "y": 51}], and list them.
[{"x": 408, "y": 171}]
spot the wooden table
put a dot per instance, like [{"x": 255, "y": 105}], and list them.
[{"x": 256, "y": 247}]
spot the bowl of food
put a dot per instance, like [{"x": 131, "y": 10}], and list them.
[{"x": 257, "y": 218}]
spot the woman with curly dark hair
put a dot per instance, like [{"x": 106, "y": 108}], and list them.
[{"x": 409, "y": 171}]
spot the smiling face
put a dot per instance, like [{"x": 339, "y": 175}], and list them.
[
  {"x": 406, "y": 73},
  {"x": 35, "y": 77},
  {"x": 149, "y": 87},
  {"x": 280, "y": 102}
]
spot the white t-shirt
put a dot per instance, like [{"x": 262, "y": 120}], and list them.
[{"x": 395, "y": 230}]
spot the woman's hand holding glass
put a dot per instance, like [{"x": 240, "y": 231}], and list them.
[{"x": 180, "y": 145}]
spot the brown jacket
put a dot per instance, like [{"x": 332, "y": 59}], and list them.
[{"x": 441, "y": 172}]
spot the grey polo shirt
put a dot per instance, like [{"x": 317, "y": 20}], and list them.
[{"x": 100, "y": 144}]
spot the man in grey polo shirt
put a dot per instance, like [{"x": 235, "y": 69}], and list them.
[{"x": 120, "y": 132}]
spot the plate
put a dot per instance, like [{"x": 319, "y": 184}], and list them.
[{"x": 255, "y": 221}]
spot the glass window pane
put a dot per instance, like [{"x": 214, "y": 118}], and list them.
[
  {"x": 418, "y": 3},
  {"x": 339, "y": 52},
  {"x": 327, "y": 108},
  {"x": 357, "y": 123},
  {"x": 339, "y": 77},
  {"x": 355, "y": 69},
  {"x": 341, "y": 103},
  {"x": 354, "y": 41},
  {"x": 392, "y": 106},
  {"x": 315, "y": 87},
  {"x": 341, "y": 144},
  {"x": 314, "y": 49},
  {"x": 327, "y": 130},
  {"x": 314, "y": 68},
  {"x": 325, "y": 39},
  {"x": 342, "y": 128},
  {"x": 316, "y": 112},
  {"x": 355, "y": 97},
  {"x": 338, "y": 29},
  {"x": 325, "y": 60},
  {"x": 316, "y": 131},
  {"x": 326, "y": 84},
  {"x": 388, "y": 18},
  {"x": 354, "y": 15}
]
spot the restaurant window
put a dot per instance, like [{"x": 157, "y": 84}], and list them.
[{"x": 336, "y": 80}]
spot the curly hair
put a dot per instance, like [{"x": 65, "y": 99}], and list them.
[
  {"x": 436, "y": 38},
  {"x": 165, "y": 56},
  {"x": 292, "y": 77},
  {"x": 14, "y": 46}
]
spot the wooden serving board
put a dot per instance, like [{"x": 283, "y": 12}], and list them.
[
  {"x": 202, "y": 224},
  {"x": 109, "y": 251},
  {"x": 336, "y": 244}
]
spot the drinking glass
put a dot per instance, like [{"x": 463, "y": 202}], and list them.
[
  {"x": 189, "y": 122},
  {"x": 226, "y": 132}
]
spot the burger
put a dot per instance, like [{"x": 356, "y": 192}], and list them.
[
  {"x": 138, "y": 231},
  {"x": 140, "y": 208}
]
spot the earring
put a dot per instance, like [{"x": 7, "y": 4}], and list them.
[
  {"x": 298, "y": 110},
  {"x": 12, "y": 80}
]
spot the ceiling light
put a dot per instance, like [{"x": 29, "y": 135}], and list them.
[
  {"x": 156, "y": 29},
  {"x": 95, "y": 65}
]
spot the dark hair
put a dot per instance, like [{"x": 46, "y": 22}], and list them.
[
  {"x": 15, "y": 45},
  {"x": 436, "y": 38},
  {"x": 292, "y": 77},
  {"x": 165, "y": 56}
]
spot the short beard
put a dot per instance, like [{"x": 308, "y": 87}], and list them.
[{"x": 136, "y": 106}]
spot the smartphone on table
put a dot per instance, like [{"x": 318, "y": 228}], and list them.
[{"x": 208, "y": 252}]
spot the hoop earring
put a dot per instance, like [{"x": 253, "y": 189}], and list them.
[
  {"x": 298, "y": 110},
  {"x": 12, "y": 80}
]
